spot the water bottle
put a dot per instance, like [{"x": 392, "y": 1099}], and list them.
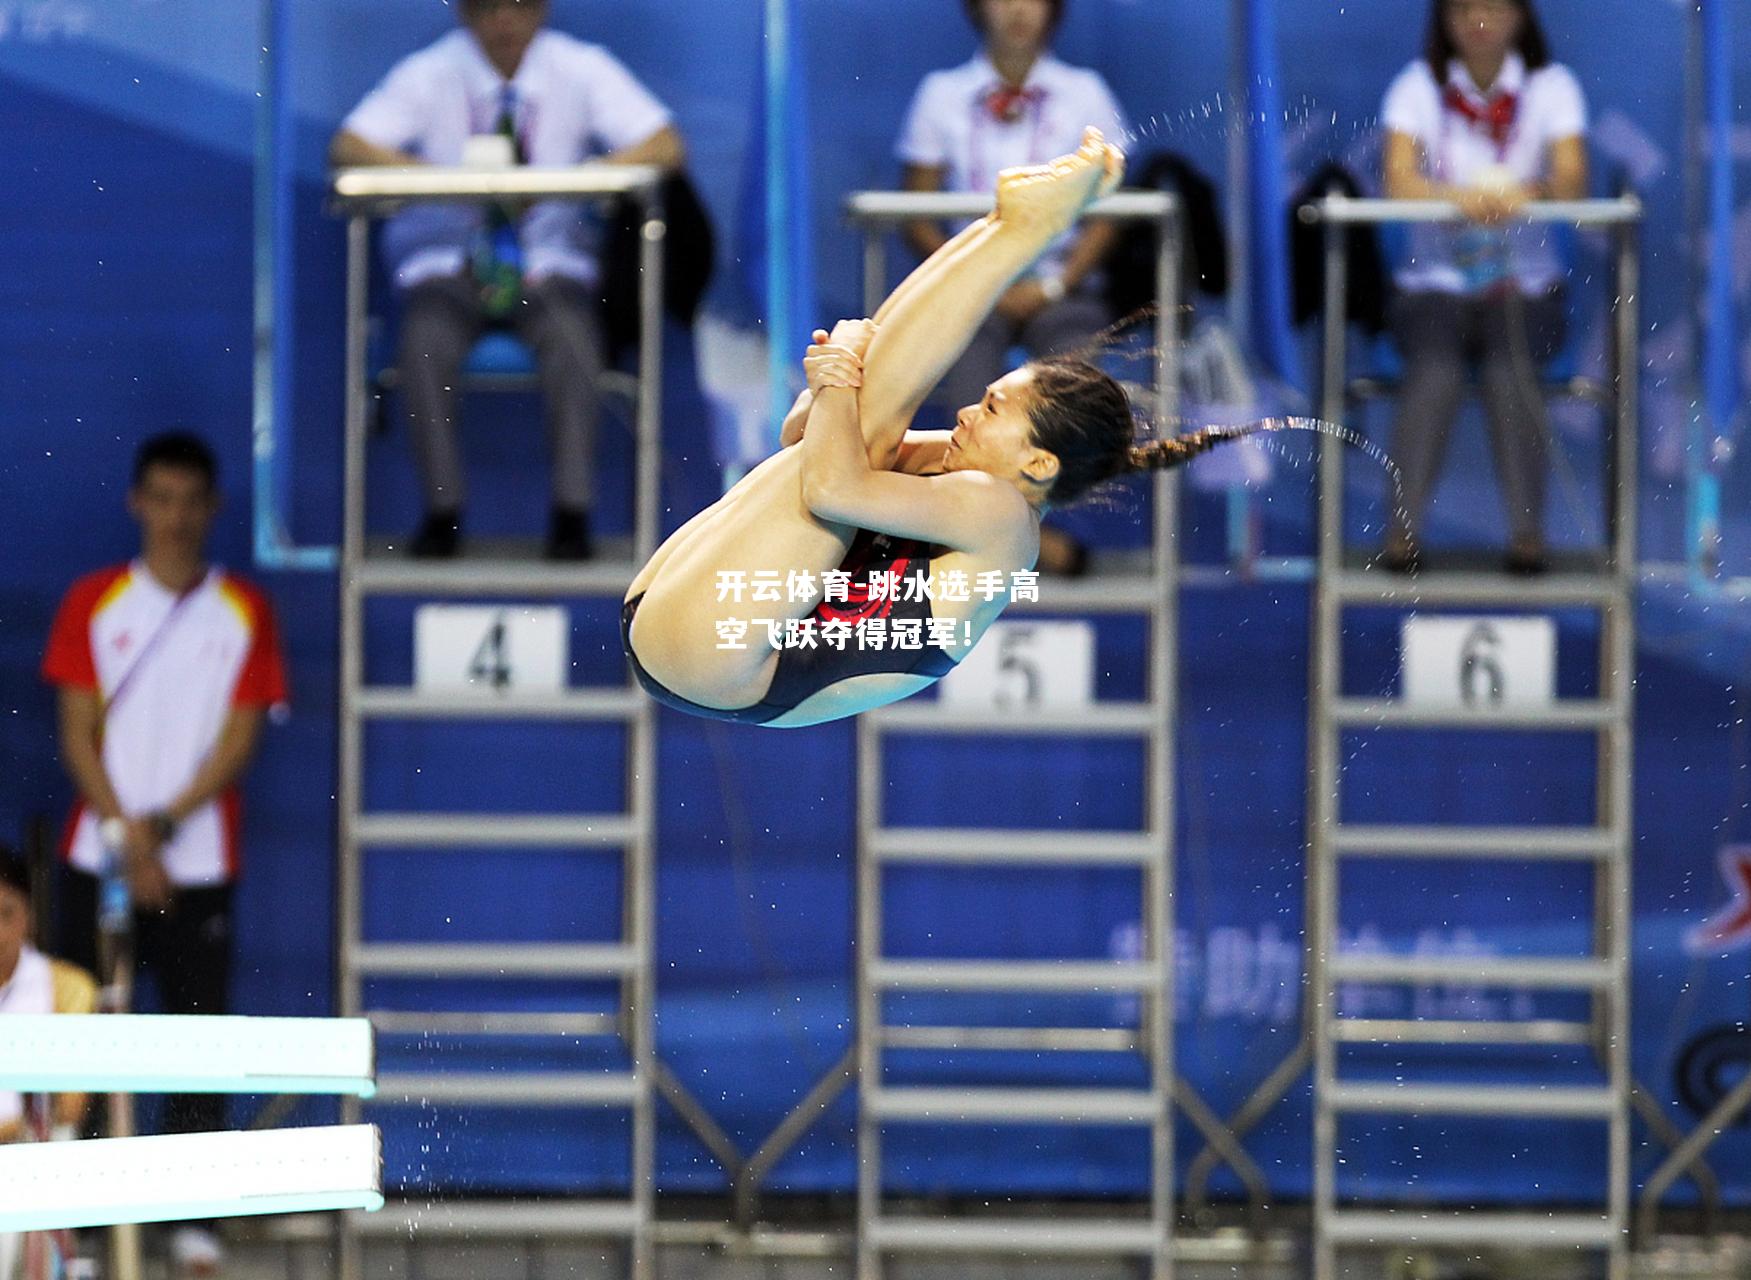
[
  {"x": 114, "y": 901},
  {"x": 1483, "y": 258}
]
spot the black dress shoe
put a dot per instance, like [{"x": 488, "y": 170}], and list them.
[
  {"x": 1401, "y": 555},
  {"x": 439, "y": 536},
  {"x": 1526, "y": 559},
  {"x": 568, "y": 535}
]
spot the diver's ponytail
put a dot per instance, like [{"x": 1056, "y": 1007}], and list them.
[{"x": 1176, "y": 451}]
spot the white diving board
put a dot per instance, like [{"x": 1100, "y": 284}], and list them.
[
  {"x": 148, "y": 1053},
  {"x": 50, "y": 1186}
]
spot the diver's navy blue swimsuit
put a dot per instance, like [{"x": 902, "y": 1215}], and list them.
[{"x": 803, "y": 672}]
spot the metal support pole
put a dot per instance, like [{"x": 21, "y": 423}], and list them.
[
  {"x": 653, "y": 236},
  {"x": 1259, "y": 1104},
  {"x": 1322, "y": 926},
  {"x": 1317, "y": 1044},
  {"x": 1324, "y": 805},
  {"x": 799, "y": 1120},
  {"x": 639, "y": 986},
  {"x": 349, "y": 1253},
  {"x": 1158, "y": 879},
  {"x": 1626, "y": 379},
  {"x": 875, "y": 269},
  {"x": 868, "y": 997},
  {"x": 1334, "y": 374},
  {"x": 877, "y": 1234},
  {"x": 877, "y": 212},
  {"x": 1624, "y": 559},
  {"x": 1691, "y": 1163},
  {"x": 1227, "y": 1146}
]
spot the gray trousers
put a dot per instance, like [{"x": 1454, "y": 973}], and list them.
[
  {"x": 442, "y": 319},
  {"x": 1057, "y": 330},
  {"x": 1507, "y": 340}
]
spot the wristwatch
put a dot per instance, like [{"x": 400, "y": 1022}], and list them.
[
  {"x": 162, "y": 826},
  {"x": 1052, "y": 286}
]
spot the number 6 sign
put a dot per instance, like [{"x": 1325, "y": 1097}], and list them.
[{"x": 1479, "y": 662}]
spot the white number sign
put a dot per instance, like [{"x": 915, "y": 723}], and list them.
[
  {"x": 1451, "y": 661},
  {"x": 1019, "y": 665},
  {"x": 500, "y": 650}
]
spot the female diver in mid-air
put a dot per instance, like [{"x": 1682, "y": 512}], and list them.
[{"x": 853, "y": 489}]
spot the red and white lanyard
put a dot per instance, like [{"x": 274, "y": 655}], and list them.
[{"x": 176, "y": 611}]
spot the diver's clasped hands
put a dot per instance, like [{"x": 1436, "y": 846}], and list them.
[{"x": 836, "y": 359}]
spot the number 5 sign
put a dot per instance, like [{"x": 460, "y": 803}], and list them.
[
  {"x": 1021, "y": 665},
  {"x": 1479, "y": 661},
  {"x": 490, "y": 649}
]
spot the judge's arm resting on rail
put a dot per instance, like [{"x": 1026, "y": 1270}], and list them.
[
  {"x": 1407, "y": 178},
  {"x": 348, "y": 150},
  {"x": 664, "y": 149},
  {"x": 1567, "y": 177}
]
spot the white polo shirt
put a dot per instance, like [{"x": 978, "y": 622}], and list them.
[
  {"x": 951, "y": 125},
  {"x": 1549, "y": 107},
  {"x": 30, "y": 989},
  {"x": 169, "y": 669},
  {"x": 573, "y": 101}
]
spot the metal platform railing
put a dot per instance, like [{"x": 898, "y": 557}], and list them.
[
  {"x": 1603, "y": 583},
  {"x": 1150, "y": 594},
  {"x": 624, "y": 963}
]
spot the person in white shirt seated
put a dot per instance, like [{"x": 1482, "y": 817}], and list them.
[
  {"x": 547, "y": 99},
  {"x": 1011, "y": 106},
  {"x": 1486, "y": 119},
  {"x": 31, "y": 982}
]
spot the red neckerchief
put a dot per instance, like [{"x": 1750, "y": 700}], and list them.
[
  {"x": 1009, "y": 103},
  {"x": 1497, "y": 115}
]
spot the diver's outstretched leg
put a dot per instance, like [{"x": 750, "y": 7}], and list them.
[
  {"x": 929, "y": 319},
  {"x": 945, "y": 299}
]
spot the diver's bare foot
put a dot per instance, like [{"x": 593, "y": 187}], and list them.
[{"x": 1048, "y": 197}]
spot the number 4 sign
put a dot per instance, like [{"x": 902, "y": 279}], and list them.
[{"x": 490, "y": 649}]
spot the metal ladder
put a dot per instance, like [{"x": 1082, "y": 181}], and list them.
[
  {"x": 625, "y": 962},
  {"x": 1151, "y": 594},
  {"x": 1607, "y": 587}
]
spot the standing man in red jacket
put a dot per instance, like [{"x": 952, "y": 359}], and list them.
[{"x": 165, "y": 668}]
